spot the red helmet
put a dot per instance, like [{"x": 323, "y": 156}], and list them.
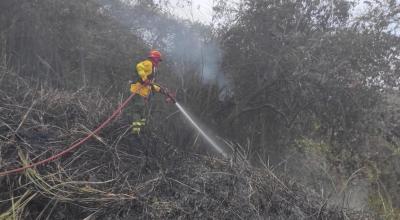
[{"x": 155, "y": 54}]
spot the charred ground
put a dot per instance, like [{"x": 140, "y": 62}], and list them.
[
  {"x": 120, "y": 176},
  {"x": 309, "y": 89}
]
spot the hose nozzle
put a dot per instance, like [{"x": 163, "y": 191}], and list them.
[{"x": 170, "y": 96}]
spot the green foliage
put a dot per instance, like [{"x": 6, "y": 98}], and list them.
[
  {"x": 309, "y": 145},
  {"x": 301, "y": 73},
  {"x": 69, "y": 44},
  {"x": 383, "y": 207},
  {"x": 291, "y": 63}
]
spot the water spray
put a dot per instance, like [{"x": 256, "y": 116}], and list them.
[
  {"x": 209, "y": 140},
  {"x": 171, "y": 99}
]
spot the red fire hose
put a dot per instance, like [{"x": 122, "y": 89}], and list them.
[{"x": 74, "y": 145}]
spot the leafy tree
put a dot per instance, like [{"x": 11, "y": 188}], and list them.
[{"x": 307, "y": 69}]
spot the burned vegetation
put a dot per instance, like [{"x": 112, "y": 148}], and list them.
[
  {"x": 119, "y": 176},
  {"x": 304, "y": 94}
]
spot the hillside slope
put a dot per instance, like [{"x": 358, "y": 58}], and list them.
[{"x": 119, "y": 176}]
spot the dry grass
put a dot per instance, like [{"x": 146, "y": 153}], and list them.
[{"x": 119, "y": 176}]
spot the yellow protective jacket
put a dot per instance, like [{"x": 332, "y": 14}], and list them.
[{"x": 145, "y": 71}]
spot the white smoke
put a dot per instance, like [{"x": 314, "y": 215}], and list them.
[{"x": 190, "y": 46}]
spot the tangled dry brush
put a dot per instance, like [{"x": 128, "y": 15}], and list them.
[{"x": 119, "y": 176}]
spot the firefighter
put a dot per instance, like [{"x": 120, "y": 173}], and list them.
[{"x": 144, "y": 84}]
